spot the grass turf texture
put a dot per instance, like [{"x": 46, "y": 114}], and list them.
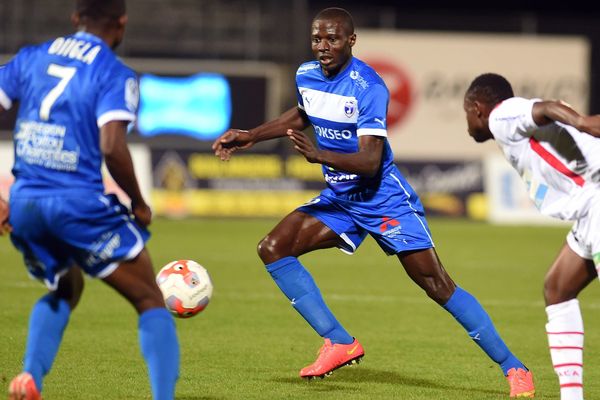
[{"x": 249, "y": 343}]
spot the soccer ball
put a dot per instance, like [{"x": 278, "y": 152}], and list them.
[{"x": 186, "y": 287}]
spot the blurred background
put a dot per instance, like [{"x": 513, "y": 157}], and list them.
[{"x": 207, "y": 65}]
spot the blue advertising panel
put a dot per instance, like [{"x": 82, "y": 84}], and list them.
[{"x": 198, "y": 106}]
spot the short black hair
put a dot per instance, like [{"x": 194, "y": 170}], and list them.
[
  {"x": 339, "y": 14},
  {"x": 100, "y": 9},
  {"x": 490, "y": 88}
]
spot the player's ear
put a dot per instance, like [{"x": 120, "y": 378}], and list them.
[
  {"x": 479, "y": 108},
  {"x": 75, "y": 19},
  {"x": 123, "y": 20},
  {"x": 352, "y": 39}
]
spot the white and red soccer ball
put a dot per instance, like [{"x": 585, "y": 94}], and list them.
[{"x": 186, "y": 287}]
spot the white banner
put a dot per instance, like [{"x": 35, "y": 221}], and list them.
[
  {"x": 508, "y": 200},
  {"x": 427, "y": 75}
]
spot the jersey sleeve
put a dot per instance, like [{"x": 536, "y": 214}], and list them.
[
  {"x": 372, "y": 107},
  {"x": 300, "y": 100},
  {"x": 512, "y": 120},
  {"x": 10, "y": 79},
  {"x": 119, "y": 99}
]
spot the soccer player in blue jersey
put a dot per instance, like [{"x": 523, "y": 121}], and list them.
[
  {"x": 345, "y": 101},
  {"x": 76, "y": 100}
]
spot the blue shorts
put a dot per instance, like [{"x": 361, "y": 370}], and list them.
[
  {"x": 91, "y": 230},
  {"x": 393, "y": 215}
]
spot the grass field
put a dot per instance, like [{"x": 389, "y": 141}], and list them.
[{"x": 250, "y": 344}]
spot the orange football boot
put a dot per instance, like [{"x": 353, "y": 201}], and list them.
[
  {"x": 22, "y": 387},
  {"x": 331, "y": 357},
  {"x": 521, "y": 383}
]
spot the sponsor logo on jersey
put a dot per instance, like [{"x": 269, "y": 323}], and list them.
[
  {"x": 333, "y": 179},
  {"x": 350, "y": 108},
  {"x": 359, "y": 79},
  {"x": 333, "y": 134}
]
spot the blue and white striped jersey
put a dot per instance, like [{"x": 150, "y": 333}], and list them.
[
  {"x": 351, "y": 104},
  {"x": 68, "y": 88}
]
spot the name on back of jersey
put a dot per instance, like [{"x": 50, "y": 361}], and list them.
[{"x": 76, "y": 49}]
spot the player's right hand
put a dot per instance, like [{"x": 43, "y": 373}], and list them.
[
  {"x": 142, "y": 213},
  {"x": 230, "y": 141},
  {"x": 4, "y": 212}
]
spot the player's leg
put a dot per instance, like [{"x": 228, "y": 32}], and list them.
[
  {"x": 47, "y": 322},
  {"x": 135, "y": 281},
  {"x": 299, "y": 233},
  {"x": 568, "y": 276},
  {"x": 45, "y": 258},
  {"x": 426, "y": 270}
]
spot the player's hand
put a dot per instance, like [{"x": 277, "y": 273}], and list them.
[
  {"x": 590, "y": 124},
  {"x": 304, "y": 145},
  {"x": 230, "y": 141},
  {"x": 142, "y": 213},
  {"x": 4, "y": 212}
]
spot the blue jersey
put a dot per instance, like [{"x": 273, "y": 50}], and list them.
[
  {"x": 351, "y": 104},
  {"x": 68, "y": 88}
]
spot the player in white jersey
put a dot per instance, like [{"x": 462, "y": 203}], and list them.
[
  {"x": 557, "y": 153},
  {"x": 345, "y": 101}
]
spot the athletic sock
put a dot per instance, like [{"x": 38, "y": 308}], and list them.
[
  {"x": 160, "y": 348},
  {"x": 300, "y": 288},
  {"x": 471, "y": 315},
  {"x": 47, "y": 323},
  {"x": 565, "y": 338}
]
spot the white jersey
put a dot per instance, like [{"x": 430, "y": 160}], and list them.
[{"x": 559, "y": 164}]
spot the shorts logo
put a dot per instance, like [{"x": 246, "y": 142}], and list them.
[
  {"x": 389, "y": 226},
  {"x": 350, "y": 108}
]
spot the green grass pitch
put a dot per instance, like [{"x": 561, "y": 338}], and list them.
[{"x": 250, "y": 344}]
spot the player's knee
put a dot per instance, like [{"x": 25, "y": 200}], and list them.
[
  {"x": 268, "y": 250},
  {"x": 439, "y": 289},
  {"x": 147, "y": 298},
  {"x": 70, "y": 287}
]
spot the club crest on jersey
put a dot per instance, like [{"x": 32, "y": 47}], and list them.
[{"x": 350, "y": 108}]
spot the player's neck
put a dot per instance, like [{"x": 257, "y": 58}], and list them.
[{"x": 106, "y": 36}]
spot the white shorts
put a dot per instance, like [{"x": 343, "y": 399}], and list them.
[{"x": 584, "y": 237}]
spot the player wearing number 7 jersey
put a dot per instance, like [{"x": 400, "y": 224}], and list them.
[{"x": 75, "y": 102}]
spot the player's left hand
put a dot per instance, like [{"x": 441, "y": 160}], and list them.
[
  {"x": 4, "y": 212},
  {"x": 304, "y": 145}
]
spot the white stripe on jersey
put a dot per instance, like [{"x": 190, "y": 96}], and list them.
[
  {"x": 5, "y": 101},
  {"x": 115, "y": 115},
  {"x": 371, "y": 132},
  {"x": 329, "y": 106}
]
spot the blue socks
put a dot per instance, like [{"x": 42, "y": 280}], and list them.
[
  {"x": 47, "y": 323},
  {"x": 469, "y": 313},
  {"x": 300, "y": 288},
  {"x": 160, "y": 348}
]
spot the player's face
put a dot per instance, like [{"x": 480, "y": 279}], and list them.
[
  {"x": 331, "y": 45},
  {"x": 476, "y": 124}
]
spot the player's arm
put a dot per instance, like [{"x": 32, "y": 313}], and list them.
[
  {"x": 236, "y": 139},
  {"x": 4, "y": 209},
  {"x": 365, "y": 162},
  {"x": 545, "y": 112},
  {"x": 120, "y": 165},
  {"x": 4, "y": 212}
]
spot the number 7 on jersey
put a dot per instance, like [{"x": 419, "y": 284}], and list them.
[{"x": 65, "y": 74}]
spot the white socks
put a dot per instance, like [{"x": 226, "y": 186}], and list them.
[{"x": 565, "y": 337}]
